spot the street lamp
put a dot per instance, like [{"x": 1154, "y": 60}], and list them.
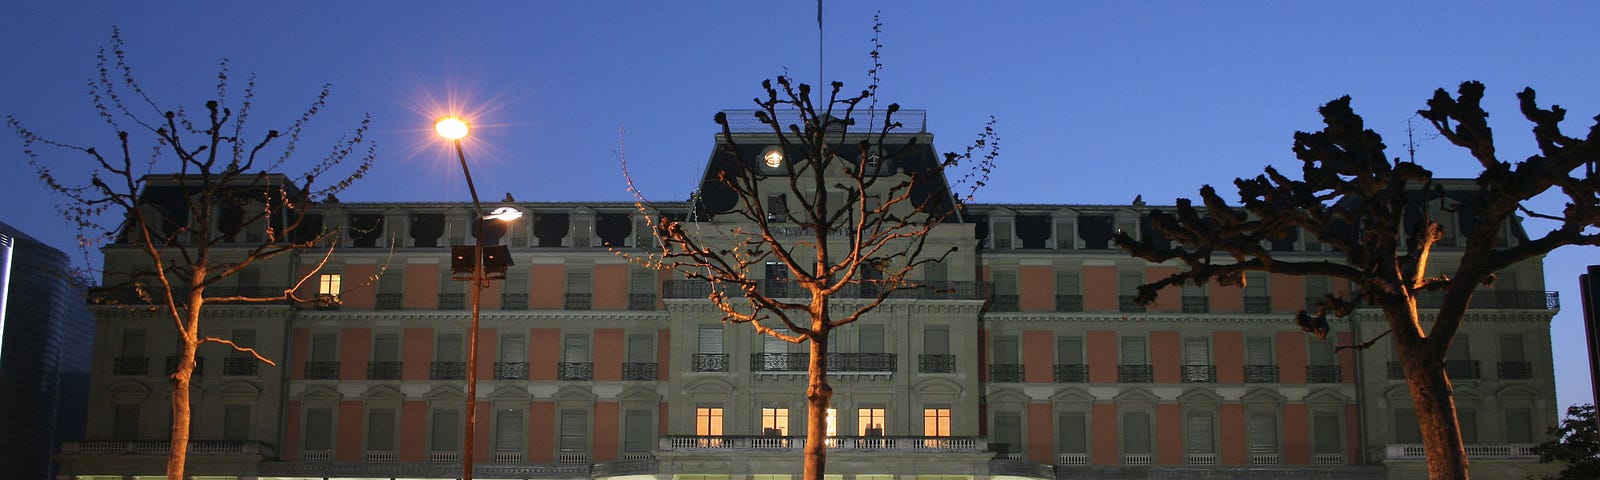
[{"x": 454, "y": 128}]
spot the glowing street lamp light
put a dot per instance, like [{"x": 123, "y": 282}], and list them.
[{"x": 452, "y": 128}]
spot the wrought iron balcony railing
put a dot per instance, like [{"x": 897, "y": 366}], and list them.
[
  {"x": 1199, "y": 373},
  {"x": 1134, "y": 374},
  {"x": 390, "y": 301},
  {"x": 737, "y": 443},
  {"x": 1069, "y": 303},
  {"x": 1260, "y": 374},
  {"x": 837, "y": 362},
  {"x": 639, "y": 371},
  {"x": 679, "y": 289},
  {"x": 323, "y": 370},
  {"x": 1072, "y": 373},
  {"x": 383, "y": 370},
  {"x": 1514, "y": 370},
  {"x": 1257, "y": 304},
  {"x": 199, "y": 365},
  {"x": 513, "y": 301},
  {"x": 1196, "y": 304},
  {"x": 240, "y": 366},
  {"x": 936, "y": 363},
  {"x": 1126, "y": 304},
  {"x": 130, "y": 366},
  {"x": 510, "y": 370},
  {"x": 1522, "y": 300},
  {"x": 448, "y": 371},
  {"x": 578, "y": 301},
  {"x": 1322, "y": 374},
  {"x": 576, "y": 371},
  {"x": 1005, "y": 303},
  {"x": 641, "y": 301},
  {"x": 1005, "y": 372},
  {"x": 452, "y": 301},
  {"x": 1462, "y": 369},
  {"x": 709, "y": 362}
]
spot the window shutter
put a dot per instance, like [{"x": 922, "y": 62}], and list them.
[
  {"x": 133, "y": 343},
  {"x": 1065, "y": 234},
  {"x": 1069, "y": 350},
  {"x": 1405, "y": 427},
  {"x": 1196, "y": 351},
  {"x": 1263, "y": 433},
  {"x": 324, "y": 347},
  {"x": 1005, "y": 350},
  {"x": 125, "y": 425},
  {"x": 1136, "y": 432},
  {"x": 513, "y": 348},
  {"x": 1068, "y": 283},
  {"x": 449, "y": 348},
  {"x": 1133, "y": 351},
  {"x": 643, "y": 282},
  {"x": 574, "y": 431},
  {"x": 244, "y": 337},
  {"x": 1200, "y": 433},
  {"x": 386, "y": 347},
  {"x": 319, "y": 429},
  {"x": 636, "y": 431},
  {"x": 936, "y": 340},
  {"x": 380, "y": 430},
  {"x": 710, "y": 339},
  {"x": 1316, "y": 286},
  {"x": 935, "y": 272},
  {"x": 1070, "y": 433},
  {"x": 1325, "y": 427},
  {"x": 1001, "y": 233},
  {"x": 516, "y": 281},
  {"x": 641, "y": 348},
  {"x": 1322, "y": 352},
  {"x": 508, "y": 430},
  {"x": 1128, "y": 283},
  {"x": 1008, "y": 430},
  {"x": 1519, "y": 425},
  {"x": 236, "y": 422},
  {"x": 392, "y": 281},
  {"x": 1005, "y": 283},
  {"x": 1511, "y": 347},
  {"x": 771, "y": 344},
  {"x": 871, "y": 339},
  {"x": 445, "y": 430},
  {"x": 579, "y": 282},
  {"x": 1255, "y": 284},
  {"x": 1460, "y": 348},
  {"x": 1467, "y": 419},
  {"x": 577, "y": 348},
  {"x": 1258, "y": 351}
]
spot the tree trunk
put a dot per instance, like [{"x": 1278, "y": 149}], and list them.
[
  {"x": 1436, "y": 412},
  {"x": 818, "y": 396},
  {"x": 180, "y": 390}
]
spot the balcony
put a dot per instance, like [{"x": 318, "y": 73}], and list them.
[
  {"x": 933, "y": 363},
  {"x": 1475, "y": 451},
  {"x": 452, "y": 301},
  {"x": 1261, "y": 373},
  {"x": 323, "y": 370},
  {"x": 1462, "y": 369},
  {"x": 130, "y": 366},
  {"x": 1125, "y": 304},
  {"x": 1257, "y": 304},
  {"x": 439, "y": 465},
  {"x": 1005, "y": 372},
  {"x": 837, "y": 362},
  {"x": 390, "y": 301},
  {"x": 1322, "y": 374},
  {"x": 1196, "y": 304},
  {"x": 578, "y": 301},
  {"x": 641, "y": 301},
  {"x": 199, "y": 365},
  {"x": 510, "y": 370},
  {"x": 240, "y": 366},
  {"x": 709, "y": 362},
  {"x": 1134, "y": 374},
  {"x": 639, "y": 371},
  {"x": 1199, "y": 373},
  {"x": 383, "y": 370},
  {"x": 1069, "y": 303},
  {"x": 575, "y": 371},
  {"x": 1004, "y": 303},
  {"x": 796, "y": 444},
  {"x": 681, "y": 289},
  {"x": 1072, "y": 373},
  {"x": 1498, "y": 299},
  {"x": 447, "y": 371},
  {"x": 513, "y": 301},
  {"x": 162, "y": 447},
  {"x": 1514, "y": 370}
]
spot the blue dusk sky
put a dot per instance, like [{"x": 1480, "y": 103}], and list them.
[{"x": 1095, "y": 102}]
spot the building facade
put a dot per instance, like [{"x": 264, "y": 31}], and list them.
[{"x": 1028, "y": 360}]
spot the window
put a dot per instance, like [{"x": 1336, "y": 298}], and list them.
[
  {"x": 446, "y": 429},
  {"x": 508, "y": 430},
  {"x": 243, "y": 337},
  {"x": 1128, "y": 283},
  {"x": 642, "y": 282},
  {"x": 319, "y": 429},
  {"x": 236, "y": 422},
  {"x": 133, "y": 343},
  {"x": 1196, "y": 351},
  {"x": 125, "y": 423},
  {"x": 328, "y": 285},
  {"x": 1322, "y": 353},
  {"x": 774, "y": 421},
  {"x": 1068, "y": 283},
  {"x": 935, "y": 273},
  {"x": 771, "y": 344},
  {"x": 513, "y": 348},
  {"x": 1405, "y": 426},
  {"x": 710, "y": 339},
  {"x": 1325, "y": 428},
  {"x": 1199, "y": 433},
  {"x": 1069, "y": 350},
  {"x": 936, "y": 340},
  {"x": 1072, "y": 432},
  {"x": 831, "y": 424},
  {"x": 576, "y": 348},
  {"x": 777, "y": 208},
  {"x": 1007, "y": 432},
  {"x": 870, "y": 421},
  {"x": 1263, "y": 433},
  {"x": 637, "y": 426},
  {"x": 1258, "y": 351},
  {"x": 1133, "y": 351},
  {"x": 870, "y": 339},
  {"x": 380, "y": 430},
  {"x": 1519, "y": 425},
  {"x": 1136, "y": 432},
  {"x": 641, "y": 348},
  {"x": 449, "y": 348},
  {"x": 1467, "y": 420},
  {"x": 1460, "y": 349},
  {"x": 393, "y": 281},
  {"x": 574, "y": 431},
  {"x": 1511, "y": 347},
  {"x": 1316, "y": 288},
  {"x": 936, "y": 422},
  {"x": 1005, "y": 350},
  {"x": 1005, "y": 283},
  {"x": 324, "y": 347},
  {"x": 708, "y": 421}
]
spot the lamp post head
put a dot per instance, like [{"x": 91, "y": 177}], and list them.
[{"x": 451, "y": 127}]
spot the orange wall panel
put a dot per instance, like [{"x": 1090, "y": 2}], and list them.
[
  {"x": 1296, "y": 434},
  {"x": 1036, "y": 287},
  {"x": 1288, "y": 293},
  {"x": 1233, "y": 438},
  {"x": 1169, "y": 438},
  {"x": 661, "y": 421},
  {"x": 549, "y": 285},
  {"x": 544, "y": 353},
  {"x": 1102, "y": 350},
  {"x": 1107, "y": 449},
  {"x": 1166, "y": 354},
  {"x": 1290, "y": 348},
  {"x": 1041, "y": 435},
  {"x": 355, "y": 349},
  {"x": 488, "y": 346},
  {"x": 541, "y": 432},
  {"x": 348, "y": 446},
  {"x": 1347, "y": 359},
  {"x": 606, "y": 428},
  {"x": 413, "y": 431},
  {"x": 297, "y": 361},
  {"x": 1100, "y": 288},
  {"x": 1038, "y": 356},
  {"x": 1227, "y": 350},
  {"x": 490, "y": 299},
  {"x": 482, "y": 441},
  {"x": 291, "y": 432},
  {"x": 611, "y": 287},
  {"x": 416, "y": 353},
  {"x": 663, "y": 356},
  {"x": 983, "y": 356},
  {"x": 1225, "y": 299},
  {"x": 1171, "y": 298},
  {"x": 608, "y": 355},
  {"x": 359, "y": 288},
  {"x": 1352, "y": 434},
  {"x": 422, "y": 286}
]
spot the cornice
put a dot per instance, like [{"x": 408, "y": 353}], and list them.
[{"x": 494, "y": 315}]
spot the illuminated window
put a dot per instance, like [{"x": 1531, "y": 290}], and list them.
[
  {"x": 936, "y": 422},
  {"x": 869, "y": 421},
  {"x": 708, "y": 421},
  {"x": 774, "y": 421},
  {"x": 329, "y": 284},
  {"x": 833, "y": 422}
]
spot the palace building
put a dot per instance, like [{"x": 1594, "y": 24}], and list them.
[{"x": 1030, "y": 360}]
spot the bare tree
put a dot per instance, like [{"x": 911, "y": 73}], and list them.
[
  {"x": 199, "y": 197},
  {"x": 1366, "y": 207}
]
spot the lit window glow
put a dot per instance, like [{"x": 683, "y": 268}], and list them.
[{"x": 329, "y": 284}]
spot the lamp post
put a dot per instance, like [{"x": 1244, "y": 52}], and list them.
[{"x": 455, "y": 129}]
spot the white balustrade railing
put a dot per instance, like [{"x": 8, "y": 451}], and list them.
[
  {"x": 797, "y": 443},
  {"x": 1136, "y": 459},
  {"x": 1327, "y": 459},
  {"x": 380, "y": 456},
  {"x": 317, "y": 455},
  {"x": 1072, "y": 459},
  {"x": 1202, "y": 459},
  {"x": 443, "y": 457},
  {"x": 1258, "y": 459},
  {"x": 1414, "y": 451},
  {"x": 502, "y": 456}
]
